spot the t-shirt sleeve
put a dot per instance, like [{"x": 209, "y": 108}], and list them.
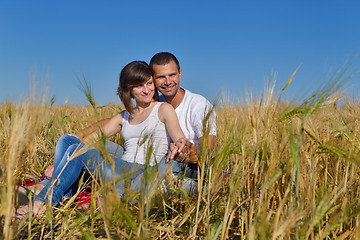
[{"x": 204, "y": 110}]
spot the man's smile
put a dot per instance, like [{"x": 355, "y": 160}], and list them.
[{"x": 168, "y": 87}]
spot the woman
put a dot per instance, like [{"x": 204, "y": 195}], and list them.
[{"x": 145, "y": 126}]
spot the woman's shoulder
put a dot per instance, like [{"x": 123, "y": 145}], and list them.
[
  {"x": 164, "y": 106},
  {"x": 119, "y": 116},
  {"x": 122, "y": 113},
  {"x": 165, "y": 109}
]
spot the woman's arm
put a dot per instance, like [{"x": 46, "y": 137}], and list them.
[
  {"x": 168, "y": 116},
  {"x": 110, "y": 128},
  {"x": 92, "y": 128}
]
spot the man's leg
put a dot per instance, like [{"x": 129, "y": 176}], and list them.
[
  {"x": 189, "y": 170},
  {"x": 188, "y": 173}
]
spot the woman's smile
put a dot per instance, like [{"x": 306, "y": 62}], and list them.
[{"x": 144, "y": 91}]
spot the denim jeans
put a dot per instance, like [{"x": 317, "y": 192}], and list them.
[
  {"x": 189, "y": 170},
  {"x": 62, "y": 145},
  {"x": 67, "y": 169},
  {"x": 187, "y": 173}
]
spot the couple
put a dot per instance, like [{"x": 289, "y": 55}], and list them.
[{"x": 147, "y": 123}]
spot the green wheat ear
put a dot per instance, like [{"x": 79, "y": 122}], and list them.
[
  {"x": 85, "y": 88},
  {"x": 52, "y": 100},
  {"x": 341, "y": 153},
  {"x": 291, "y": 113}
]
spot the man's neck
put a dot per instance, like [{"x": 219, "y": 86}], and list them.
[{"x": 177, "y": 99}]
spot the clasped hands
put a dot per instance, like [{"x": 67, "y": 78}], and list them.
[{"x": 182, "y": 151}]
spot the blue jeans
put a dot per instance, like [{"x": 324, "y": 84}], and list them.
[
  {"x": 68, "y": 169},
  {"x": 64, "y": 142},
  {"x": 189, "y": 170},
  {"x": 187, "y": 173}
]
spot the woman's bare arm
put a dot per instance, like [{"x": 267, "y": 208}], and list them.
[
  {"x": 92, "y": 128},
  {"x": 110, "y": 128},
  {"x": 168, "y": 116}
]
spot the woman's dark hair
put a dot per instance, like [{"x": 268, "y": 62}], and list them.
[{"x": 133, "y": 74}]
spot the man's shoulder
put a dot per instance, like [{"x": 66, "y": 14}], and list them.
[
  {"x": 196, "y": 99},
  {"x": 191, "y": 98}
]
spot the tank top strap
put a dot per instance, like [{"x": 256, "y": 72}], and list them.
[
  {"x": 125, "y": 118},
  {"x": 153, "y": 116},
  {"x": 155, "y": 111}
]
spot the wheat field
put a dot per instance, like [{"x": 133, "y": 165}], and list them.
[{"x": 280, "y": 170}]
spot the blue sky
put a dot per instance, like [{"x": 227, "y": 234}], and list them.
[{"x": 224, "y": 47}]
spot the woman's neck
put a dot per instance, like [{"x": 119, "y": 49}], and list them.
[{"x": 140, "y": 107}]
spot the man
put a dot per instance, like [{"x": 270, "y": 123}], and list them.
[{"x": 190, "y": 108}]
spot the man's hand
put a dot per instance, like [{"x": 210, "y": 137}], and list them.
[{"x": 193, "y": 155}]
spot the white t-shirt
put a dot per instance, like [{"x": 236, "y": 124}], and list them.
[{"x": 191, "y": 113}]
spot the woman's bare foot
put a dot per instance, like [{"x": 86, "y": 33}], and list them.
[
  {"x": 36, "y": 189},
  {"x": 49, "y": 171},
  {"x": 100, "y": 203},
  {"x": 36, "y": 209}
]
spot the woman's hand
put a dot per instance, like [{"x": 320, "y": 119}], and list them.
[
  {"x": 49, "y": 171},
  {"x": 188, "y": 153},
  {"x": 177, "y": 148}
]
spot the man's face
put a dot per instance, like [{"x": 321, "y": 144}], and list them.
[{"x": 167, "y": 79}]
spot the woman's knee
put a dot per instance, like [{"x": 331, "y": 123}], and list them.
[{"x": 65, "y": 141}]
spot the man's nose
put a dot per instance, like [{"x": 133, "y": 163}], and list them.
[{"x": 167, "y": 80}]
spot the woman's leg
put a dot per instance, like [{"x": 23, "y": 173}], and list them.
[
  {"x": 62, "y": 145},
  {"x": 64, "y": 142},
  {"x": 121, "y": 168},
  {"x": 114, "y": 149},
  {"x": 67, "y": 172},
  {"x": 162, "y": 168}
]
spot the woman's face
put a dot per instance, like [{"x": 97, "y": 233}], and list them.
[{"x": 143, "y": 93}]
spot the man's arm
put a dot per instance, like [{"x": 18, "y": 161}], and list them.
[
  {"x": 210, "y": 144},
  {"x": 92, "y": 128}
]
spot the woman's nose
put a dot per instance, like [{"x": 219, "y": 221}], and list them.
[{"x": 146, "y": 89}]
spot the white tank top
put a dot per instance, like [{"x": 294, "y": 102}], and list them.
[{"x": 138, "y": 138}]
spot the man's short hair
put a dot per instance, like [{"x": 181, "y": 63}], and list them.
[{"x": 163, "y": 58}]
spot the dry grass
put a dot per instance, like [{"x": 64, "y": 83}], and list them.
[{"x": 279, "y": 171}]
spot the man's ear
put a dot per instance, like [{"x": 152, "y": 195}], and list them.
[{"x": 180, "y": 71}]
